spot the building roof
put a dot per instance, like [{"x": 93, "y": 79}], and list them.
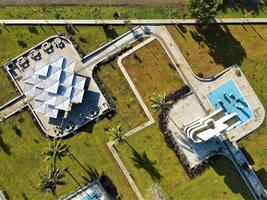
[{"x": 53, "y": 87}]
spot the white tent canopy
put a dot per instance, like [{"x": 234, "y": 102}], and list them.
[{"x": 53, "y": 86}]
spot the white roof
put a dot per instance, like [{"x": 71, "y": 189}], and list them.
[{"x": 53, "y": 86}]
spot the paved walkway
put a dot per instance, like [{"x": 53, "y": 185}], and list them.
[
  {"x": 123, "y": 22},
  {"x": 2, "y": 196},
  {"x": 13, "y": 107},
  {"x": 124, "y": 170},
  {"x": 127, "y": 77},
  {"x": 137, "y": 129},
  {"x": 246, "y": 171},
  {"x": 202, "y": 88}
]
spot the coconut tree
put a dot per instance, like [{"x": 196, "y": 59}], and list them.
[
  {"x": 159, "y": 102},
  {"x": 56, "y": 150},
  {"x": 51, "y": 178},
  {"x": 116, "y": 134}
]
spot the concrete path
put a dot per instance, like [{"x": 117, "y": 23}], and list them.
[
  {"x": 13, "y": 107},
  {"x": 2, "y": 196},
  {"x": 201, "y": 88},
  {"x": 127, "y": 77},
  {"x": 245, "y": 170},
  {"x": 124, "y": 170},
  {"x": 125, "y": 21}
]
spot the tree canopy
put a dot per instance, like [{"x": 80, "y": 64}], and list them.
[{"x": 203, "y": 10}]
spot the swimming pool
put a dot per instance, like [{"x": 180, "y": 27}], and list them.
[
  {"x": 228, "y": 97},
  {"x": 91, "y": 196}
]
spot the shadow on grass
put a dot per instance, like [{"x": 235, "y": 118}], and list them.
[
  {"x": 223, "y": 47},
  {"x": 89, "y": 127},
  {"x": 141, "y": 161},
  {"x": 262, "y": 175},
  {"x": 255, "y": 7},
  {"x": 248, "y": 156},
  {"x": 91, "y": 174},
  {"x": 4, "y": 146},
  {"x": 110, "y": 32},
  {"x": 224, "y": 167}
]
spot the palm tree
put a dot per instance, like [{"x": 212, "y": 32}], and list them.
[
  {"x": 56, "y": 150},
  {"x": 116, "y": 134},
  {"x": 51, "y": 178},
  {"x": 159, "y": 102}
]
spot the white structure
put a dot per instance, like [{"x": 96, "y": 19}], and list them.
[
  {"x": 53, "y": 87},
  {"x": 91, "y": 191},
  {"x": 216, "y": 123}
]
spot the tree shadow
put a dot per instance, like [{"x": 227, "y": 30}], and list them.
[
  {"x": 223, "y": 47},
  {"x": 91, "y": 174},
  {"x": 4, "y": 146},
  {"x": 224, "y": 167},
  {"x": 247, "y": 155},
  {"x": 251, "y": 6},
  {"x": 142, "y": 161},
  {"x": 33, "y": 30},
  {"x": 110, "y": 32},
  {"x": 262, "y": 175},
  {"x": 109, "y": 186}
]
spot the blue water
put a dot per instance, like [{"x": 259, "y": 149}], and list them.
[
  {"x": 228, "y": 97},
  {"x": 91, "y": 196}
]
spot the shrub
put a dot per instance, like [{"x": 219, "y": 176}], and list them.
[
  {"x": 22, "y": 43},
  {"x": 70, "y": 29}
]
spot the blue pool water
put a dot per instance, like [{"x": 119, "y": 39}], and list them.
[
  {"x": 91, "y": 196},
  {"x": 228, "y": 97}
]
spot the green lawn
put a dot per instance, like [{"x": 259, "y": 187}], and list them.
[
  {"x": 21, "y": 156},
  {"x": 209, "y": 52},
  {"x": 249, "y": 43},
  {"x": 152, "y": 71},
  {"x": 118, "y": 88},
  {"x": 127, "y": 12},
  {"x": 9, "y": 36},
  {"x": 85, "y": 12},
  {"x": 160, "y": 165}
]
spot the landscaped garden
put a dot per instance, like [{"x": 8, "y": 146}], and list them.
[
  {"x": 152, "y": 71},
  {"x": 223, "y": 46},
  {"x": 151, "y": 162},
  {"x": 16, "y": 39},
  {"x": 212, "y": 50},
  {"x": 21, "y": 142}
]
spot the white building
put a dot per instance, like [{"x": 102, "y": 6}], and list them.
[{"x": 216, "y": 123}]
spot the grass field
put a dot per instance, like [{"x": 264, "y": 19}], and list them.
[
  {"x": 127, "y": 12},
  {"x": 152, "y": 71},
  {"x": 252, "y": 57},
  {"x": 155, "y": 163},
  {"x": 85, "y": 12},
  {"x": 89, "y": 147},
  {"x": 9, "y": 36},
  {"x": 209, "y": 52}
]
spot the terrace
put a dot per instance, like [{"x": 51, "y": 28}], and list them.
[{"x": 62, "y": 101}]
